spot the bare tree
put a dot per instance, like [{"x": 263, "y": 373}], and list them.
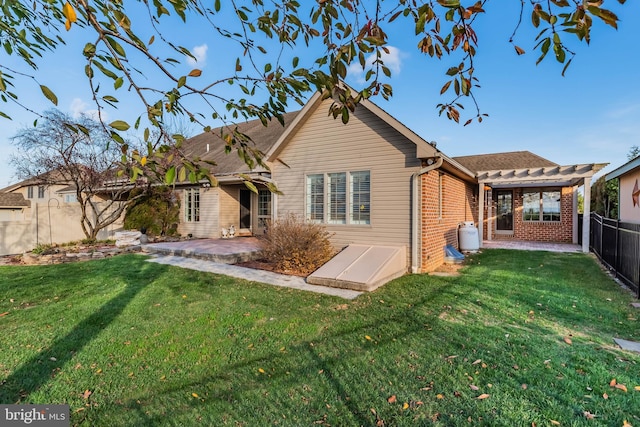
[{"x": 78, "y": 153}]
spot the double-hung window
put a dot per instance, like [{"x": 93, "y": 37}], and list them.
[
  {"x": 29, "y": 192},
  {"x": 41, "y": 192},
  {"x": 339, "y": 197},
  {"x": 540, "y": 205},
  {"x": 360, "y": 197},
  {"x": 264, "y": 208},
  {"x": 192, "y": 205}
]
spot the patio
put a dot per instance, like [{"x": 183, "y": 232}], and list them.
[
  {"x": 226, "y": 251},
  {"x": 530, "y": 246}
]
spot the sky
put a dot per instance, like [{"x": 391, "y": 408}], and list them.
[{"x": 591, "y": 115}]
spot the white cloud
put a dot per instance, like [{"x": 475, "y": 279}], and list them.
[
  {"x": 200, "y": 53},
  {"x": 78, "y": 108},
  {"x": 392, "y": 59}
]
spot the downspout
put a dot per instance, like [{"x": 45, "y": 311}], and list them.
[{"x": 415, "y": 212}]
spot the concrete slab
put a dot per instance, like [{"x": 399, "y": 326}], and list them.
[
  {"x": 253, "y": 275},
  {"x": 530, "y": 246},
  {"x": 628, "y": 345}
]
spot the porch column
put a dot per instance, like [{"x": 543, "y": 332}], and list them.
[
  {"x": 481, "y": 212},
  {"x": 490, "y": 215},
  {"x": 586, "y": 220},
  {"x": 574, "y": 238}
]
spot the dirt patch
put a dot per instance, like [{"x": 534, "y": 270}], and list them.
[
  {"x": 448, "y": 270},
  {"x": 267, "y": 266}
]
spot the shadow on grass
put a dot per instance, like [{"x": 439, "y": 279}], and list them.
[{"x": 39, "y": 369}]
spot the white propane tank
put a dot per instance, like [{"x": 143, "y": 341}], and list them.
[{"x": 468, "y": 237}]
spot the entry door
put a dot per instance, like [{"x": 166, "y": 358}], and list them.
[
  {"x": 245, "y": 209},
  {"x": 504, "y": 214}
]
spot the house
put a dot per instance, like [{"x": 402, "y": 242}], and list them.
[
  {"x": 527, "y": 197},
  {"x": 628, "y": 176},
  {"x": 373, "y": 181}
]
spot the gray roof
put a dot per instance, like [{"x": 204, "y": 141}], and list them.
[
  {"x": 263, "y": 138},
  {"x": 628, "y": 167},
  {"x": 13, "y": 200},
  {"x": 501, "y": 161}
]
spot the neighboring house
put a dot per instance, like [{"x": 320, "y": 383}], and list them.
[
  {"x": 527, "y": 197},
  {"x": 628, "y": 190},
  {"x": 375, "y": 182},
  {"x": 33, "y": 213}
]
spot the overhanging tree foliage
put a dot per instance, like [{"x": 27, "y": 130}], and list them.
[
  {"x": 127, "y": 44},
  {"x": 82, "y": 156}
]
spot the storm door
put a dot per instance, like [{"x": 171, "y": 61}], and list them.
[
  {"x": 245, "y": 209},
  {"x": 504, "y": 210}
]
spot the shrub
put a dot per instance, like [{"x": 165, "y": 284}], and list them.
[
  {"x": 158, "y": 213},
  {"x": 42, "y": 249},
  {"x": 295, "y": 246}
]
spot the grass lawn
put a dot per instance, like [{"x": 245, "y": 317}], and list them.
[{"x": 519, "y": 339}]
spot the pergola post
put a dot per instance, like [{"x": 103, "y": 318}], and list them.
[
  {"x": 574, "y": 237},
  {"x": 586, "y": 219},
  {"x": 481, "y": 212}
]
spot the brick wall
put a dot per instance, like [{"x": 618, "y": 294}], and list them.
[
  {"x": 442, "y": 209},
  {"x": 538, "y": 231}
]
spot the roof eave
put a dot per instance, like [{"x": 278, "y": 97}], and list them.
[{"x": 624, "y": 169}]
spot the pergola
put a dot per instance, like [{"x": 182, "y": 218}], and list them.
[{"x": 550, "y": 176}]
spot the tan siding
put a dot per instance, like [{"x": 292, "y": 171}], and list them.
[
  {"x": 629, "y": 212},
  {"x": 229, "y": 206},
  {"x": 366, "y": 143},
  {"x": 208, "y": 226}
]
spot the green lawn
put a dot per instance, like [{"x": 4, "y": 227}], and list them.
[{"x": 520, "y": 338}]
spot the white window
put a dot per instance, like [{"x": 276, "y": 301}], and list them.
[
  {"x": 337, "y": 208},
  {"x": 360, "y": 198},
  {"x": 192, "y": 205},
  {"x": 344, "y": 192},
  {"x": 41, "y": 192},
  {"x": 315, "y": 198},
  {"x": 264, "y": 208},
  {"x": 541, "y": 205},
  {"x": 70, "y": 198},
  {"x": 29, "y": 192}
]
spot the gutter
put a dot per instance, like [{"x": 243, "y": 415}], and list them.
[{"x": 415, "y": 212}]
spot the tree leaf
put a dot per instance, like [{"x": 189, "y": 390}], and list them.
[
  {"x": 170, "y": 175},
  {"x": 195, "y": 73},
  {"x": 119, "y": 125},
  {"x": 483, "y": 396},
  {"x": 621, "y": 387},
  {"x": 49, "y": 94}
]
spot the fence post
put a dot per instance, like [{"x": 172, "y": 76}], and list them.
[{"x": 615, "y": 254}]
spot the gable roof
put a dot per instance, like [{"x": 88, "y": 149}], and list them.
[
  {"x": 210, "y": 147},
  {"x": 424, "y": 149},
  {"x": 624, "y": 169},
  {"x": 501, "y": 161},
  {"x": 13, "y": 200}
]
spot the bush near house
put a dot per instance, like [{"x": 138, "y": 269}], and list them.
[
  {"x": 158, "y": 213},
  {"x": 293, "y": 245}
]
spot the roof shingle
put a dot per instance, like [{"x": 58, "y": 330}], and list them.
[
  {"x": 12, "y": 200},
  {"x": 209, "y": 146},
  {"x": 502, "y": 161}
]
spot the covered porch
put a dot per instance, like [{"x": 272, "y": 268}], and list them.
[{"x": 532, "y": 206}]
